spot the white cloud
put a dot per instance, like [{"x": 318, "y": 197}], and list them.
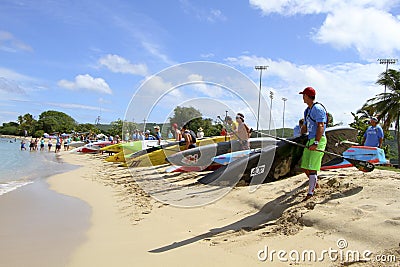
[
  {"x": 342, "y": 88},
  {"x": 119, "y": 64},
  {"x": 370, "y": 31},
  {"x": 207, "y": 56},
  {"x": 86, "y": 82},
  {"x": 12, "y": 75},
  {"x": 305, "y": 7},
  {"x": 73, "y": 106},
  {"x": 9, "y": 43},
  {"x": 211, "y": 15},
  {"x": 365, "y": 25},
  {"x": 10, "y": 87}
]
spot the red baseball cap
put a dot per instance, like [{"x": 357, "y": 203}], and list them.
[{"x": 308, "y": 91}]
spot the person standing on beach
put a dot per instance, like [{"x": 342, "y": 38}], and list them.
[
  {"x": 243, "y": 132},
  {"x": 177, "y": 132},
  {"x": 315, "y": 120},
  {"x": 297, "y": 128},
  {"x": 232, "y": 127},
  {"x": 374, "y": 135},
  {"x": 158, "y": 134},
  {"x": 148, "y": 135},
  {"x": 200, "y": 133}
]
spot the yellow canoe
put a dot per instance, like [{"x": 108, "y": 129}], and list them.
[
  {"x": 158, "y": 157},
  {"x": 118, "y": 157},
  {"x": 131, "y": 146}
]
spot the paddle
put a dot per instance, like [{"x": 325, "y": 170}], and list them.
[{"x": 361, "y": 165}]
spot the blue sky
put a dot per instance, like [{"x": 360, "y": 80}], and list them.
[{"x": 89, "y": 58}]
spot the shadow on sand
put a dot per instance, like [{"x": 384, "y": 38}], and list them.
[{"x": 264, "y": 217}]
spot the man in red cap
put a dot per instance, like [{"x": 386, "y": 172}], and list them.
[{"x": 315, "y": 120}]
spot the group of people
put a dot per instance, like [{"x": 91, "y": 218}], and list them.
[
  {"x": 236, "y": 130},
  {"x": 39, "y": 145}
]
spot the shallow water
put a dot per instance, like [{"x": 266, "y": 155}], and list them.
[{"x": 22, "y": 167}]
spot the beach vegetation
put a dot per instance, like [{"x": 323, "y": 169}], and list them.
[
  {"x": 26, "y": 123},
  {"x": 55, "y": 121},
  {"x": 194, "y": 120},
  {"x": 9, "y": 128},
  {"x": 87, "y": 128},
  {"x": 38, "y": 133},
  {"x": 116, "y": 128},
  {"x": 386, "y": 106},
  {"x": 184, "y": 115}
]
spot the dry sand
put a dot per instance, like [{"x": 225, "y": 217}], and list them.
[{"x": 359, "y": 210}]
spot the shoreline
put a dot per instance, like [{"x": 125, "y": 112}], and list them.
[
  {"x": 40, "y": 227},
  {"x": 129, "y": 228}
]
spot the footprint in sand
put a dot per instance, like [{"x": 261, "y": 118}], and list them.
[
  {"x": 358, "y": 213},
  {"x": 394, "y": 222},
  {"x": 368, "y": 207}
]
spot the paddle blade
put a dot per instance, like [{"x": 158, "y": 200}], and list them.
[{"x": 363, "y": 166}]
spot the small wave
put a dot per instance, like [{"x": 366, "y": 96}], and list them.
[{"x": 12, "y": 185}]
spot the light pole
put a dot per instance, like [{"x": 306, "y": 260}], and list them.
[
  {"x": 260, "y": 68},
  {"x": 271, "y": 95},
  {"x": 283, "y": 123},
  {"x": 144, "y": 125},
  {"x": 387, "y": 61}
]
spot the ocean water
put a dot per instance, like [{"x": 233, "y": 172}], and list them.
[{"x": 19, "y": 168}]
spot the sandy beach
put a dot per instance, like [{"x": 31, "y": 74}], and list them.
[{"x": 351, "y": 212}]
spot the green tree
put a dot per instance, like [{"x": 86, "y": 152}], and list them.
[
  {"x": 183, "y": 115},
  {"x": 28, "y": 123},
  {"x": 386, "y": 106},
  {"x": 361, "y": 119},
  {"x": 56, "y": 121},
  {"x": 116, "y": 128},
  {"x": 9, "y": 128},
  {"x": 86, "y": 128}
]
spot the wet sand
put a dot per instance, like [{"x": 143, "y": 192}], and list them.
[{"x": 40, "y": 227}]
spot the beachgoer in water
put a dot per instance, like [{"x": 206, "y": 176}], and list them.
[
  {"x": 42, "y": 144},
  {"x": 32, "y": 145},
  {"x": 23, "y": 144},
  {"x": 49, "y": 144},
  {"x": 58, "y": 144}
]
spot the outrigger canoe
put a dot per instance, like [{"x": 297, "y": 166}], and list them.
[
  {"x": 203, "y": 155},
  {"x": 275, "y": 162},
  {"x": 374, "y": 155},
  {"x": 159, "y": 154}
]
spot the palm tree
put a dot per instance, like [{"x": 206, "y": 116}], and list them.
[{"x": 387, "y": 105}]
